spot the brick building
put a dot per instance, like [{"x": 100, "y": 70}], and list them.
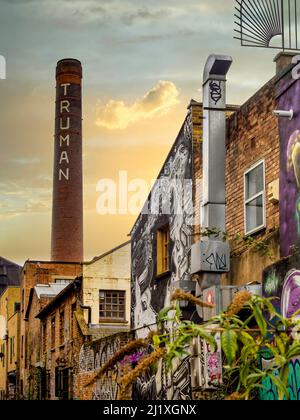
[
  {"x": 61, "y": 340},
  {"x": 9, "y": 274},
  {"x": 9, "y": 341},
  {"x": 65, "y": 309},
  {"x": 235, "y": 171},
  {"x": 34, "y": 298}
]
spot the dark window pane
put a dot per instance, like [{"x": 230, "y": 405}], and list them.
[
  {"x": 255, "y": 182},
  {"x": 254, "y": 214}
]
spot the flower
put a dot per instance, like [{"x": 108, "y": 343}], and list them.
[{"x": 238, "y": 302}]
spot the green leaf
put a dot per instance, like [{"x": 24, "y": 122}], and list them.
[
  {"x": 294, "y": 351},
  {"x": 178, "y": 311},
  {"x": 250, "y": 350},
  {"x": 271, "y": 309},
  {"x": 246, "y": 338},
  {"x": 156, "y": 341},
  {"x": 261, "y": 322},
  {"x": 229, "y": 345},
  {"x": 284, "y": 374},
  {"x": 164, "y": 313},
  {"x": 244, "y": 373},
  {"x": 200, "y": 332},
  {"x": 280, "y": 342},
  {"x": 281, "y": 387}
]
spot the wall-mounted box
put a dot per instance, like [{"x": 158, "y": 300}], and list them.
[
  {"x": 222, "y": 296},
  {"x": 210, "y": 257},
  {"x": 273, "y": 192}
]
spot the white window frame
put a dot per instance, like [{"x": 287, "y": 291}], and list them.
[{"x": 261, "y": 193}]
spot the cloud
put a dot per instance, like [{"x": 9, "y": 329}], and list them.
[
  {"x": 144, "y": 14},
  {"x": 26, "y": 161},
  {"x": 156, "y": 102}
]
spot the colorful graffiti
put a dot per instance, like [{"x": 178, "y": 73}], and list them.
[
  {"x": 282, "y": 281},
  {"x": 270, "y": 391},
  {"x": 288, "y": 93}
]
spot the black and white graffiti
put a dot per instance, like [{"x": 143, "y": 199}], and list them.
[
  {"x": 149, "y": 295},
  {"x": 92, "y": 357}
]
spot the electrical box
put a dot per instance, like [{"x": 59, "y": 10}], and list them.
[
  {"x": 222, "y": 296},
  {"x": 210, "y": 257},
  {"x": 273, "y": 192}
]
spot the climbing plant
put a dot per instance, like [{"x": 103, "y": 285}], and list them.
[{"x": 259, "y": 246}]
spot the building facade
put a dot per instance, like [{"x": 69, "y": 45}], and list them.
[
  {"x": 9, "y": 342},
  {"x": 34, "y": 276},
  {"x": 242, "y": 170}
]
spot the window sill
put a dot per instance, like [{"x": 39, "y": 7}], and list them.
[
  {"x": 256, "y": 231},
  {"x": 163, "y": 275},
  {"x": 113, "y": 321}
]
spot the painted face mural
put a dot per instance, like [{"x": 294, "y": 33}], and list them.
[
  {"x": 293, "y": 155},
  {"x": 297, "y": 216},
  {"x": 290, "y": 302}
]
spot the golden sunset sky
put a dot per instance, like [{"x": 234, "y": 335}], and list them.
[{"x": 142, "y": 63}]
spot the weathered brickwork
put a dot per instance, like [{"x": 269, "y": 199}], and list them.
[
  {"x": 35, "y": 273},
  {"x": 92, "y": 357},
  {"x": 252, "y": 135},
  {"x": 60, "y": 343}
]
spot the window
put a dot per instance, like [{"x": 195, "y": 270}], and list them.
[
  {"x": 62, "y": 377},
  {"x": 63, "y": 281},
  {"x": 44, "y": 336},
  {"x": 3, "y": 354},
  {"x": 45, "y": 384},
  {"x": 53, "y": 332},
  {"x": 73, "y": 321},
  {"x": 255, "y": 198},
  {"x": 12, "y": 349},
  {"x": 163, "y": 258},
  {"x": 62, "y": 327},
  {"x": 112, "y": 305}
]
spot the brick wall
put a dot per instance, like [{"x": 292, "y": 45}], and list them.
[
  {"x": 64, "y": 352},
  {"x": 34, "y": 273},
  {"x": 92, "y": 357},
  {"x": 252, "y": 135}
]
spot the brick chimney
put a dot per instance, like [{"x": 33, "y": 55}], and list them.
[
  {"x": 67, "y": 210},
  {"x": 283, "y": 60}
]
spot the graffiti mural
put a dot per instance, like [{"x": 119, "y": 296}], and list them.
[
  {"x": 270, "y": 391},
  {"x": 149, "y": 294},
  {"x": 164, "y": 385},
  {"x": 282, "y": 281},
  {"x": 288, "y": 92},
  {"x": 93, "y": 356}
]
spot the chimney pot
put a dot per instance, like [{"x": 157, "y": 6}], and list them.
[{"x": 283, "y": 60}]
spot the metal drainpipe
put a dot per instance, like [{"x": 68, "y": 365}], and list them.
[
  {"x": 214, "y": 151},
  {"x": 89, "y": 309}
]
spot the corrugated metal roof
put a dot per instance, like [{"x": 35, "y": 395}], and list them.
[{"x": 49, "y": 290}]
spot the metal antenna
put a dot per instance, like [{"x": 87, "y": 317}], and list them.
[{"x": 260, "y": 21}]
